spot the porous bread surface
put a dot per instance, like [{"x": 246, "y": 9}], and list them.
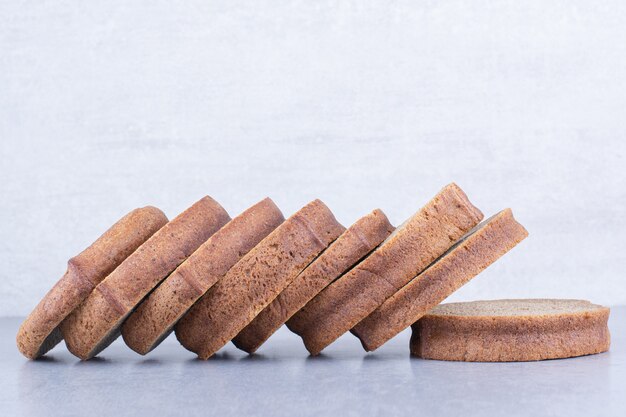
[
  {"x": 511, "y": 330},
  {"x": 462, "y": 262},
  {"x": 253, "y": 282},
  {"x": 519, "y": 307},
  {"x": 351, "y": 246},
  {"x": 95, "y": 323},
  {"x": 39, "y": 332},
  {"x": 155, "y": 317},
  {"x": 405, "y": 253}
]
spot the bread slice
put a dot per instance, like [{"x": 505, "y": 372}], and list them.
[
  {"x": 466, "y": 259},
  {"x": 405, "y": 253},
  {"x": 353, "y": 244},
  {"x": 511, "y": 330},
  {"x": 257, "y": 279},
  {"x": 156, "y": 316},
  {"x": 96, "y": 322},
  {"x": 40, "y": 331}
]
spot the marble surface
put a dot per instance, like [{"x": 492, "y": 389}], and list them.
[
  {"x": 107, "y": 106},
  {"x": 282, "y": 380}
]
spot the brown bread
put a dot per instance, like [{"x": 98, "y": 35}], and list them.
[
  {"x": 466, "y": 259},
  {"x": 40, "y": 331},
  {"x": 257, "y": 279},
  {"x": 96, "y": 322},
  {"x": 404, "y": 254},
  {"x": 353, "y": 244},
  {"x": 156, "y": 316},
  {"x": 511, "y": 330}
]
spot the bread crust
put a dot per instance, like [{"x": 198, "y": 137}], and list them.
[
  {"x": 253, "y": 282},
  {"x": 353, "y": 244},
  {"x": 40, "y": 331},
  {"x": 405, "y": 253},
  {"x": 96, "y": 322},
  {"x": 506, "y": 338},
  {"x": 466, "y": 259},
  {"x": 156, "y": 316}
]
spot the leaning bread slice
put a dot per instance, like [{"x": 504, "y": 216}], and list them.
[
  {"x": 40, "y": 331},
  {"x": 353, "y": 244},
  {"x": 511, "y": 331},
  {"x": 253, "y": 282},
  {"x": 405, "y": 253},
  {"x": 156, "y": 316},
  {"x": 96, "y": 322},
  {"x": 466, "y": 259}
]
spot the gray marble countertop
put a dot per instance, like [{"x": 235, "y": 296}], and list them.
[{"x": 283, "y": 380}]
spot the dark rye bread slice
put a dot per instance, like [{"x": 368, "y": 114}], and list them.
[
  {"x": 40, "y": 331},
  {"x": 511, "y": 330},
  {"x": 96, "y": 322},
  {"x": 353, "y": 244},
  {"x": 257, "y": 279},
  {"x": 406, "y": 252},
  {"x": 466, "y": 259},
  {"x": 156, "y": 316}
]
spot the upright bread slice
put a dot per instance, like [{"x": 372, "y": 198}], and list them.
[
  {"x": 40, "y": 331},
  {"x": 405, "y": 253},
  {"x": 96, "y": 322},
  {"x": 353, "y": 244},
  {"x": 156, "y": 316},
  {"x": 511, "y": 330},
  {"x": 257, "y": 279},
  {"x": 466, "y": 259}
]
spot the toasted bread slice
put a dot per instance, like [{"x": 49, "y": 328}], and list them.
[
  {"x": 253, "y": 282},
  {"x": 511, "y": 330},
  {"x": 353, "y": 244},
  {"x": 40, "y": 331},
  {"x": 405, "y": 253},
  {"x": 156, "y": 316},
  {"x": 96, "y": 322},
  {"x": 466, "y": 259}
]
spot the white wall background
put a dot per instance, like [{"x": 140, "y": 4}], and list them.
[{"x": 105, "y": 106}]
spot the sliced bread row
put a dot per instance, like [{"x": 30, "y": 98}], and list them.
[
  {"x": 405, "y": 253},
  {"x": 96, "y": 322},
  {"x": 255, "y": 281},
  {"x": 40, "y": 331},
  {"x": 351, "y": 246},
  {"x": 156, "y": 316},
  {"x": 213, "y": 279}
]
